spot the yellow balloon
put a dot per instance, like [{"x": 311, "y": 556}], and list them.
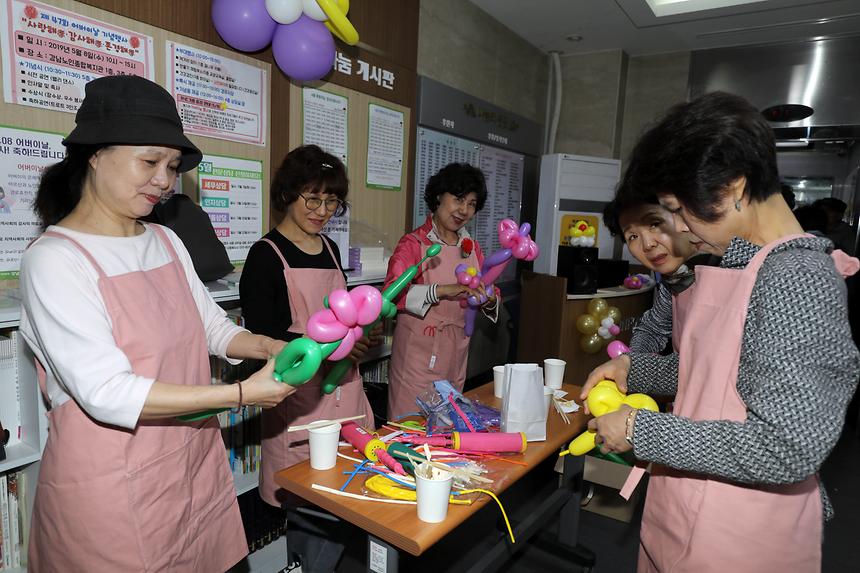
[
  {"x": 472, "y": 271},
  {"x": 597, "y": 307},
  {"x": 614, "y": 313},
  {"x": 587, "y": 324},
  {"x": 638, "y": 401},
  {"x": 590, "y": 343},
  {"x": 589, "y": 232}
]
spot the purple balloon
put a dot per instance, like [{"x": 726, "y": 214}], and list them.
[
  {"x": 243, "y": 24},
  {"x": 304, "y": 50}
]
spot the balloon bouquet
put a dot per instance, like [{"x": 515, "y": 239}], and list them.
[
  {"x": 300, "y": 31},
  {"x": 516, "y": 243},
  {"x": 598, "y": 326},
  {"x": 332, "y": 332},
  {"x": 582, "y": 234}
]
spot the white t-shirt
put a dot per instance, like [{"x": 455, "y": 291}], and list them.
[{"x": 65, "y": 322}]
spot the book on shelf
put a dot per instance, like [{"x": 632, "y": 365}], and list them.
[
  {"x": 10, "y": 389},
  {"x": 4, "y": 524},
  {"x": 14, "y": 521}
]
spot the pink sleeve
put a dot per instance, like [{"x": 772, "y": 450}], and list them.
[{"x": 406, "y": 253}]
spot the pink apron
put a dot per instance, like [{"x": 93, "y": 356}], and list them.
[
  {"x": 433, "y": 348},
  {"x": 699, "y": 524},
  {"x": 156, "y": 498},
  {"x": 282, "y": 449}
]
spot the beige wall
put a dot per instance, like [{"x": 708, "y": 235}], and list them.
[
  {"x": 654, "y": 83},
  {"x": 592, "y": 103},
  {"x": 461, "y": 46}
]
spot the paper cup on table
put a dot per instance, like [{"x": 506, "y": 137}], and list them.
[
  {"x": 498, "y": 381},
  {"x": 433, "y": 488},
  {"x": 323, "y": 442},
  {"x": 553, "y": 372}
]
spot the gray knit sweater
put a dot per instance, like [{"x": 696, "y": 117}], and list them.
[
  {"x": 655, "y": 327},
  {"x": 798, "y": 370}
]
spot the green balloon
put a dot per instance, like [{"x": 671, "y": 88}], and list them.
[
  {"x": 298, "y": 362},
  {"x": 434, "y": 250}
]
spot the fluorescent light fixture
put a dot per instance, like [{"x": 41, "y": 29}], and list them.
[
  {"x": 675, "y": 7},
  {"x": 793, "y": 143}
]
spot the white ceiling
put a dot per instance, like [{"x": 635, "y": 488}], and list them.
[{"x": 630, "y": 25}]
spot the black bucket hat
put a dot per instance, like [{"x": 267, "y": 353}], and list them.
[{"x": 130, "y": 110}]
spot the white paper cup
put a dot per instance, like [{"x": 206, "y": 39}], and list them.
[
  {"x": 323, "y": 443},
  {"x": 432, "y": 494},
  {"x": 498, "y": 381},
  {"x": 553, "y": 372}
]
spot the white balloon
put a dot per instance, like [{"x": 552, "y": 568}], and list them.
[
  {"x": 313, "y": 10},
  {"x": 607, "y": 322},
  {"x": 604, "y": 332},
  {"x": 284, "y": 11}
]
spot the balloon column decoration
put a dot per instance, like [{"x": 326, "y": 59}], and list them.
[
  {"x": 598, "y": 326},
  {"x": 516, "y": 243},
  {"x": 332, "y": 332},
  {"x": 582, "y": 234},
  {"x": 604, "y": 398},
  {"x": 300, "y": 31}
]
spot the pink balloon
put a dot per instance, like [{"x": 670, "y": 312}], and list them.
[
  {"x": 614, "y": 330},
  {"x": 520, "y": 250},
  {"x": 463, "y": 278},
  {"x": 368, "y": 301},
  {"x": 616, "y": 348},
  {"x": 463, "y": 303},
  {"x": 342, "y": 306},
  {"x": 475, "y": 282},
  {"x": 345, "y": 347},
  {"x": 323, "y": 326}
]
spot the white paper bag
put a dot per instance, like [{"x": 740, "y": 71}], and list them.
[{"x": 523, "y": 403}]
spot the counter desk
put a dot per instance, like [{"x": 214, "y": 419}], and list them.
[{"x": 548, "y": 322}]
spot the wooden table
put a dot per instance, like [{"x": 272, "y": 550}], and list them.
[{"x": 397, "y": 527}]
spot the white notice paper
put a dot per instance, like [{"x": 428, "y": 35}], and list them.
[
  {"x": 384, "y": 148},
  {"x": 324, "y": 121}
]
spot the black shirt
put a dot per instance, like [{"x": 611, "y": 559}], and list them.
[{"x": 263, "y": 290}]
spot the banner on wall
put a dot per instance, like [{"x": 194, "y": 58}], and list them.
[
  {"x": 49, "y": 54},
  {"x": 216, "y": 96},
  {"x": 231, "y": 193},
  {"x": 24, "y": 154}
]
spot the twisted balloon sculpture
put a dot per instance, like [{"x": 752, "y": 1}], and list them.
[
  {"x": 516, "y": 243},
  {"x": 332, "y": 332}
]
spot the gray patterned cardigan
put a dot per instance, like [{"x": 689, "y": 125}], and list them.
[{"x": 798, "y": 370}]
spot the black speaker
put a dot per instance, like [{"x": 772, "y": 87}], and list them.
[
  {"x": 612, "y": 272},
  {"x": 579, "y": 265}
]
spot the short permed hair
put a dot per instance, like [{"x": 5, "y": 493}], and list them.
[
  {"x": 458, "y": 179},
  {"x": 308, "y": 168},
  {"x": 698, "y": 148}
]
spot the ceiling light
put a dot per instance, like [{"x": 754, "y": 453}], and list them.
[
  {"x": 573, "y": 38},
  {"x": 674, "y": 7},
  {"x": 793, "y": 143}
]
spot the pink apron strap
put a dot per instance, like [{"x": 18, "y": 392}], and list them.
[
  {"x": 845, "y": 263},
  {"x": 165, "y": 241},
  {"x": 80, "y": 247},
  {"x": 325, "y": 241},
  {"x": 277, "y": 252}
]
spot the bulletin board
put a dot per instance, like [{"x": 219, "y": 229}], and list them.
[
  {"x": 60, "y": 123},
  {"x": 380, "y": 207}
]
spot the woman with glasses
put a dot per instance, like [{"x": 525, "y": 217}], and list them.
[
  {"x": 286, "y": 276},
  {"x": 430, "y": 342}
]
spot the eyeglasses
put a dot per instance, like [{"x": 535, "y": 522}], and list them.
[{"x": 331, "y": 205}]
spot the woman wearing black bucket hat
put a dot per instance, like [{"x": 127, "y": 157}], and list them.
[{"x": 122, "y": 328}]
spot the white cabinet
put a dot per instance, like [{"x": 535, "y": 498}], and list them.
[{"x": 572, "y": 184}]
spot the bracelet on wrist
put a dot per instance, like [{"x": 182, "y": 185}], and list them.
[
  {"x": 628, "y": 426},
  {"x": 241, "y": 403}
]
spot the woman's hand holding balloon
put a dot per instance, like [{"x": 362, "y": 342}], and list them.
[
  {"x": 260, "y": 389},
  {"x": 359, "y": 349},
  {"x": 457, "y": 291},
  {"x": 615, "y": 369},
  {"x": 611, "y": 430}
]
